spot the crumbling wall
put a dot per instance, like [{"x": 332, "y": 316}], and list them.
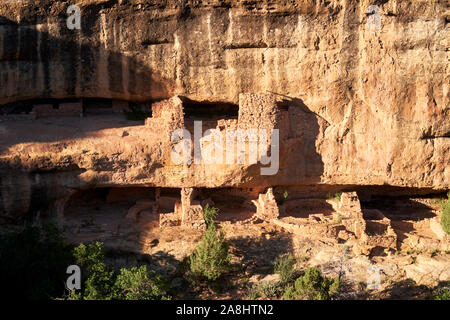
[
  {"x": 171, "y": 219},
  {"x": 168, "y": 208},
  {"x": 266, "y": 206},
  {"x": 185, "y": 211},
  {"x": 167, "y": 116},
  {"x": 191, "y": 209},
  {"x": 227, "y": 124},
  {"x": 370, "y": 234},
  {"x": 349, "y": 205},
  {"x": 261, "y": 112}
]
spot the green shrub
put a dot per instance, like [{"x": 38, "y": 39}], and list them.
[
  {"x": 100, "y": 280},
  {"x": 444, "y": 294},
  {"x": 101, "y": 283},
  {"x": 337, "y": 196},
  {"x": 284, "y": 198},
  {"x": 284, "y": 266},
  {"x": 290, "y": 294},
  {"x": 33, "y": 263},
  {"x": 312, "y": 285},
  {"x": 445, "y": 218},
  {"x": 435, "y": 252},
  {"x": 211, "y": 258},
  {"x": 90, "y": 255},
  {"x": 209, "y": 214},
  {"x": 140, "y": 284},
  {"x": 245, "y": 281},
  {"x": 266, "y": 290}
]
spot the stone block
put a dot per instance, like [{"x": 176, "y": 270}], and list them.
[
  {"x": 192, "y": 215},
  {"x": 349, "y": 204}
]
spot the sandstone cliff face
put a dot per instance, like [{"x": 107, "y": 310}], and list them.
[{"x": 377, "y": 98}]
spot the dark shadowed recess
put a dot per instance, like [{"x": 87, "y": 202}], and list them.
[{"x": 209, "y": 110}]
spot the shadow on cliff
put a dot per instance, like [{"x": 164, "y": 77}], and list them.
[
  {"x": 300, "y": 132},
  {"x": 40, "y": 66}
]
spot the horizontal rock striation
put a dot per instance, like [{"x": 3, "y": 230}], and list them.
[{"x": 368, "y": 104}]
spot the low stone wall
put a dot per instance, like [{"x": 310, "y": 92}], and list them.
[
  {"x": 227, "y": 124},
  {"x": 72, "y": 109}
]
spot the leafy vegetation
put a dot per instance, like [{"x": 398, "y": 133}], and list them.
[
  {"x": 140, "y": 284},
  {"x": 209, "y": 214},
  {"x": 266, "y": 290},
  {"x": 211, "y": 258},
  {"x": 445, "y": 218},
  {"x": 100, "y": 280},
  {"x": 33, "y": 262},
  {"x": 337, "y": 196},
  {"x": 435, "y": 252},
  {"x": 284, "y": 198},
  {"x": 284, "y": 266},
  {"x": 101, "y": 283},
  {"x": 444, "y": 294},
  {"x": 313, "y": 286}
]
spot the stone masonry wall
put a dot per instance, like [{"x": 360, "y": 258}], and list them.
[
  {"x": 74, "y": 109},
  {"x": 168, "y": 116}
]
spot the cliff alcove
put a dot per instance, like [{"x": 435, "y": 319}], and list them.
[{"x": 349, "y": 160}]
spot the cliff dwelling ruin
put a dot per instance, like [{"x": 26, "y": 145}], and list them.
[
  {"x": 312, "y": 129},
  {"x": 380, "y": 224}
]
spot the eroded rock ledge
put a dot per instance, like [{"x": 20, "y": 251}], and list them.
[
  {"x": 364, "y": 107},
  {"x": 49, "y": 158}
]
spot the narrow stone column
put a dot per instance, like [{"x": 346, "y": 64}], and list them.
[
  {"x": 168, "y": 116},
  {"x": 191, "y": 210},
  {"x": 349, "y": 205},
  {"x": 187, "y": 196},
  {"x": 350, "y": 208},
  {"x": 157, "y": 200}
]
